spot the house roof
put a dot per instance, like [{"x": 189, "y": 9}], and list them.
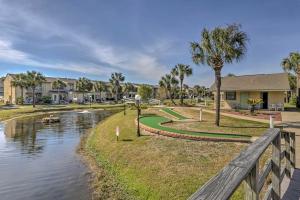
[
  {"x": 262, "y": 82},
  {"x": 52, "y": 79}
]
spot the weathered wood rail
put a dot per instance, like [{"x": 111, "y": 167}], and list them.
[{"x": 245, "y": 168}]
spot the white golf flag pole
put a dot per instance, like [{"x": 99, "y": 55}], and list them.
[
  {"x": 271, "y": 122},
  {"x": 117, "y": 133}
]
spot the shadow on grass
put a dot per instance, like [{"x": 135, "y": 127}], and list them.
[
  {"x": 127, "y": 140},
  {"x": 225, "y": 126}
]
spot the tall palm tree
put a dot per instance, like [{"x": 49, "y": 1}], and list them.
[
  {"x": 84, "y": 85},
  {"x": 19, "y": 80},
  {"x": 100, "y": 86},
  {"x": 33, "y": 80},
  {"x": 168, "y": 82},
  {"x": 59, "y": 85},
  {"x": 182, "y": 71},
  {"x": 292, "y": 63},
  {"x": 115, "y": 81},
  {"x": 129, "y": 87},
  {"x": 216, "y": 48}
]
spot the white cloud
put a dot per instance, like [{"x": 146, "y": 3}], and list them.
[
  {"x": 144, "y": 63},
  {"x": 11, "y": 55}
]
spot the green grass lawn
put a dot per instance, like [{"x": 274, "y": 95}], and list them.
[
  {"x": 28, "y": 109},
  {"x": 174, "y": 114},
  {"x": 154, "y": 121},
  {"x": 153, "y": 167},
  {"x": 227, "y": 124}
]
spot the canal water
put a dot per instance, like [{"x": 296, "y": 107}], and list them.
[{"x": 39, "y": 161}]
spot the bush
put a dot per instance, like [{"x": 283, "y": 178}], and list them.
[
  {"x": 293, "y": 100},
  {"x": 20, "y": 100},
  {"x": 46, "y": 99}
]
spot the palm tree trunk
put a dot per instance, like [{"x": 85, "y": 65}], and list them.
[
  {"x": 22, "y": 96},
  {"x": 58, "y": 96},
  {"x": 100, "y": 96},
  {"x": 218, "y": 95},
  {"x": 181, "y": 94},
  {"x": 33, "y": 97},
  {"x": 171, "y": 97},
  {"x": 116, "y": 97}
]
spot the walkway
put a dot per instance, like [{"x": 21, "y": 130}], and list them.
[{"x": 291, "y": 189}]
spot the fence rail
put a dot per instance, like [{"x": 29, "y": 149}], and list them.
[{"x": 245, "y": 167}]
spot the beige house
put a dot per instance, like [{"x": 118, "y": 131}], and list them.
[
  {"x": 236, "y": 90},
  {"x": 1, "y": 88}
]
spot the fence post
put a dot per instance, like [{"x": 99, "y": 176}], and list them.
[
  {"x": 287, "y": 154},
  {"x": 292, "y": 145},
  {"x": 251, "y": 191},
  {"x": 276, "y": 150}
]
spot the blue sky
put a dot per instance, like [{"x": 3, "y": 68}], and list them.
[{"x": 143, "y": 39}]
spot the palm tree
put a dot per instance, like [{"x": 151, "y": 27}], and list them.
[
  {"x": 59, "y": 85},
  {"x": 168, "y": 82},
  {"x": 217, "y": 47},
  {"x": 115, "y": 81},
  {"x": 84, "y": 85},
  {"x": 292, "y": 63},
  {"x": 19, "y": 80},
  {"x": 33, "y": 80},
  {"x": 129, "y": 87},
  {"x": 182, "y": 71},
  {"x": 100, "y": 86}
]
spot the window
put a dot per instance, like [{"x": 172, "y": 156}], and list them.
[{"x": 230, "y": 95}]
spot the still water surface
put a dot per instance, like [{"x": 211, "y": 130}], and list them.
[{"x": 39, "y": 161}]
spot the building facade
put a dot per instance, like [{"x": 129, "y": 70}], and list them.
[
  {"x": 236, "y": 90},
  {"x": 46, "y": 89},
  {"x": 2, "y": 89}
]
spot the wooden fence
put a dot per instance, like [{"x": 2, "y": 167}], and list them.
[{"x": 245, "y": 167}]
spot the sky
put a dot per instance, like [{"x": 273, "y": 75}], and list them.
[{"x": 143, "y": 39}]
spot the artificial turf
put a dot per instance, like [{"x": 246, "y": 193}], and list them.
[
  {"x": 173, "y": 113},
  {"x": 155, "y": 121}
]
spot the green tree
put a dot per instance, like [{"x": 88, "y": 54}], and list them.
[
  {"x": 59, "y": 85},
  {"x": 129, "y": 87},
  {"x": 230, "y": 74},
  {"x": 115, "y": 82},
  {"x": 182, "y": 71},
  {"x": 100, "y": 86},
  {"x": 293, "y": 81},
  {"x": 145, "y": 91},
  {"x": 19, "y": 80},
  {"x": 33, "y": 80},
  {"x": 292, "y": 64},
  {"x": 169, "y": 82},
  {"x": 84, "y": 85},
  {"x": 216, "y": 48}
]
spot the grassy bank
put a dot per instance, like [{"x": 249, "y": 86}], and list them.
[
  {"x": 154, "y": 167},
  {"x": 28, "y": 109}
]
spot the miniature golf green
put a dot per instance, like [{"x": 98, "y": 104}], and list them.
[
  {"x": 155, "y": 121},
  {"x": 174, "y": 114}
]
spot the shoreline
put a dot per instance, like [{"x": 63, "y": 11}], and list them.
[
  {"x": 102, "y": 182},
  {"x": 53, "y": 111}
]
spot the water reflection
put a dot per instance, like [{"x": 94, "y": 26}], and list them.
[{"x": 39, "y": 161}]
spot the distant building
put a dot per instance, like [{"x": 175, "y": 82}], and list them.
[
  {"x": 68, "y": 94},
  {"x": 236, "y": 90},
  {"x": 1, "y": 89}
]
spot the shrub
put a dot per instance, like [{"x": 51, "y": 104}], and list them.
[
  {"x": 20, "y": 100},
  {"x": 253, "y": 103},
  {"x": 46, "y": 99},
  {"x": 293, "y": 100}
]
